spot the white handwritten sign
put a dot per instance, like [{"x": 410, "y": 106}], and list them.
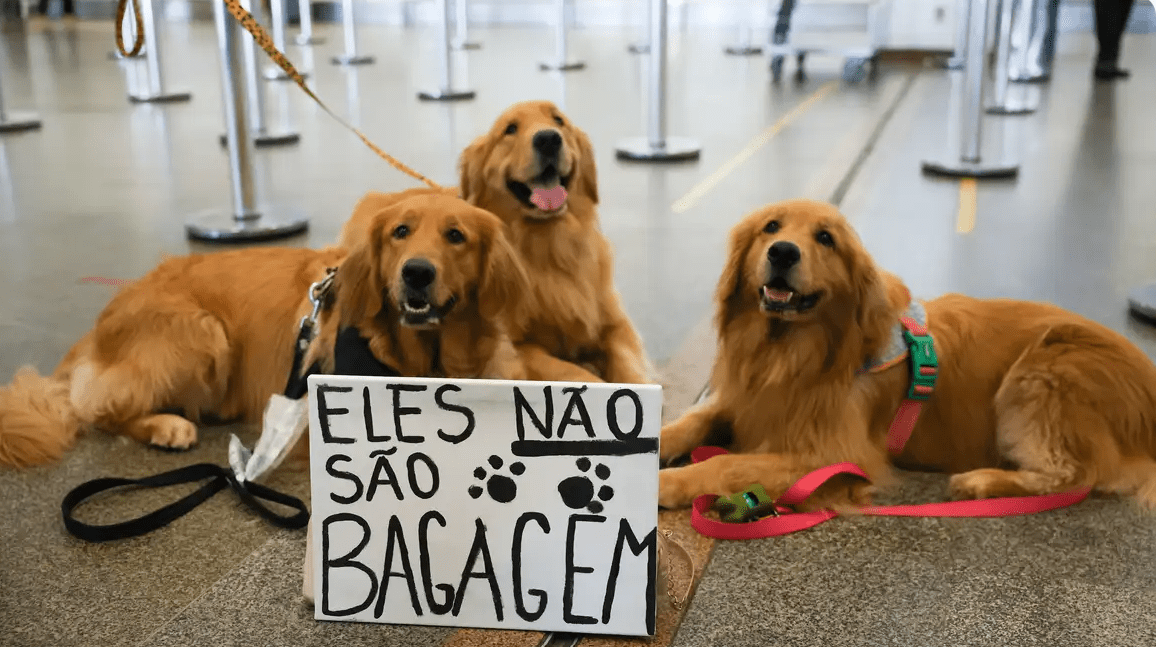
[{"x": 485, "y": 503}]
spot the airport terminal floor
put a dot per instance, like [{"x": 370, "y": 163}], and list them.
[{"x": 104, "y": 189}]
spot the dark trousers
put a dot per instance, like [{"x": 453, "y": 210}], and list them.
[
  {"x": 1111, "y": 18},
  {"x": 68, "y": 8}
]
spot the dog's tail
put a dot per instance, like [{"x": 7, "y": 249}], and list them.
[{"x": 37, "y": 420}]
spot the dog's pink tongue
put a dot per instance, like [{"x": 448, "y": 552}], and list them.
[{"x": 549, "y": 199}]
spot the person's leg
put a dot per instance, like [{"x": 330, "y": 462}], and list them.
[{"x": 1111, "y": 18}]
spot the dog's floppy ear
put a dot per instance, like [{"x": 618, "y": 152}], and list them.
[
  {"x": 587, "y": 168},
  {"x": 873, "y": 309},
  {"x": 729, "y": 294},
  {"x": 358, "y": 285},
  {"x": 504, "y": 286},
  {"x": 471, "y": 169}
]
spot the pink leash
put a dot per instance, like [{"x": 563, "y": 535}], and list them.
[{"x": 789, "y": 521}]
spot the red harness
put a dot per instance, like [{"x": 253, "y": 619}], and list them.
[{"x": 924, "y": 370}]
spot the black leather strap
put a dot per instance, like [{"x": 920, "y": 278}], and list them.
[{"x": 218, "y": 479}]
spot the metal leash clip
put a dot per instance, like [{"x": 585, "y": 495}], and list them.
[
  {"x": 317, "y": 294},
  {"x": 286, "y": 415}
]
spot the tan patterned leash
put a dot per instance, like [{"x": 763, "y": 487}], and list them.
[{"x": 266, "y": 42}]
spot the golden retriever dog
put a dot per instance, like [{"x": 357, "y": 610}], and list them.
[
  {"x": 212, "y": 336},
  {"x": 1030, "y": 399},
  {"x": 535, "y": 170}
]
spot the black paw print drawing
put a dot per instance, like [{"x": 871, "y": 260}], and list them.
[
  {"x": 578, "y": 491},
  {"x": 502, "y": 488}
]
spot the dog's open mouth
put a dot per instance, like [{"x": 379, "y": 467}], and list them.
[
  {"x": 778, "y": 296},
  {"x": 418, "y": 312},
  {"x": 545, "y": 193}
]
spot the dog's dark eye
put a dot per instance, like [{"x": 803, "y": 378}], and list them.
[
  {"x": 400, "y": 231},
  {"x": 511, "y": 129},
  {"x": 823, "y": 237},
  {"x": 772, "y": 227},
  {"x": 558, "y": 120},
  {"x": 455, "y": 236}
]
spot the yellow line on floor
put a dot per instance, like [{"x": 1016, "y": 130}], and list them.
[
  {"x": 965, "y": 219},
  {"x": 711, "y": 181}
]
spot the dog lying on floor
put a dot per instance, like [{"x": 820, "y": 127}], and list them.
[
  {"x": 213, "y": 335},
  {"x": 535, "y": 170},
  {"x": 1030, "y": 399}
]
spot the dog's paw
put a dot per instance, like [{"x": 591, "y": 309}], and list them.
[
  {"x": 969, "y": 485},
  {"x": 670, "y": 446},
  {"x": 171, "y": 432},
  {"x": 673, "y": 492}
]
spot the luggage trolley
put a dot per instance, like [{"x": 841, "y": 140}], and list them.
[{"x": 834, "y": 26}]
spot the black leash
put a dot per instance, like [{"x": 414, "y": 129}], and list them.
[
  {"x": 352, "y": 356},
  {"x": 219, "y": 478}
]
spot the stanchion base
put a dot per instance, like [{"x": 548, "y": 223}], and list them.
[
  {"x": 1011, "y": 108},
  {"x": 276, "y": 138},
  {"x": 219, "y": 226},
  {"x": 115, "y": 55},
  {"x": 638, "y": 48},
  {"x": 275, "y": 73},
  {"x": 446, "y": 95},
  {"x": 18, "y": 121},
  {"x": 346, "y": 59},
  {"x": 675, "y": 149},
  {"x": 1142, "y": 303},
  {"x": 744, "y": 50},
  {"x": 1042, "y": 78},
  {"x": 167, "y": 97},
  {"x": 302, "y": 39},
  {"x": 977, "y": 170},
  {"x": 467, "y": 45},
  {"x": 564, "y": 66}
]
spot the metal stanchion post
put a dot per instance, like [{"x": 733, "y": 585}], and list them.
[
  {"x": 657, "y": 146},
  {"x": 277, "y": 18},
  {"x": 959, "y": 58},
  {"x": 350, "y": 57},
  {"x": 244, "y": 221},
  {"x": 561, "y": 61},
  {"x": 1002, "y": 104},
  {"x": 14, "y": 121},
  {"x": 1034, "y": 48},
  {"x": 446, "y": 92},
  {"x": 262, "y": 133},
  {"x": 156, "y": 87},
  {"x": 462, "y": 26},
  {"x": 746, "y": 45},
  {"x": 306, "y": 37},
  {"x": 642, "y": 46},
  {"x": 970, "y": 163}
]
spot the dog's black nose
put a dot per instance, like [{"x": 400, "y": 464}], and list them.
[
  {"x": 783, "y": 255},
  {"x": 418, "y": 273},
  {"x": 548, "y": 142}
]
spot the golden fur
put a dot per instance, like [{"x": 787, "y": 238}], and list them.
[
  {"x": 1031, "y": 399},
  {"x": 211, "y": 336},
  {"x": 573, "y": 326}
]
